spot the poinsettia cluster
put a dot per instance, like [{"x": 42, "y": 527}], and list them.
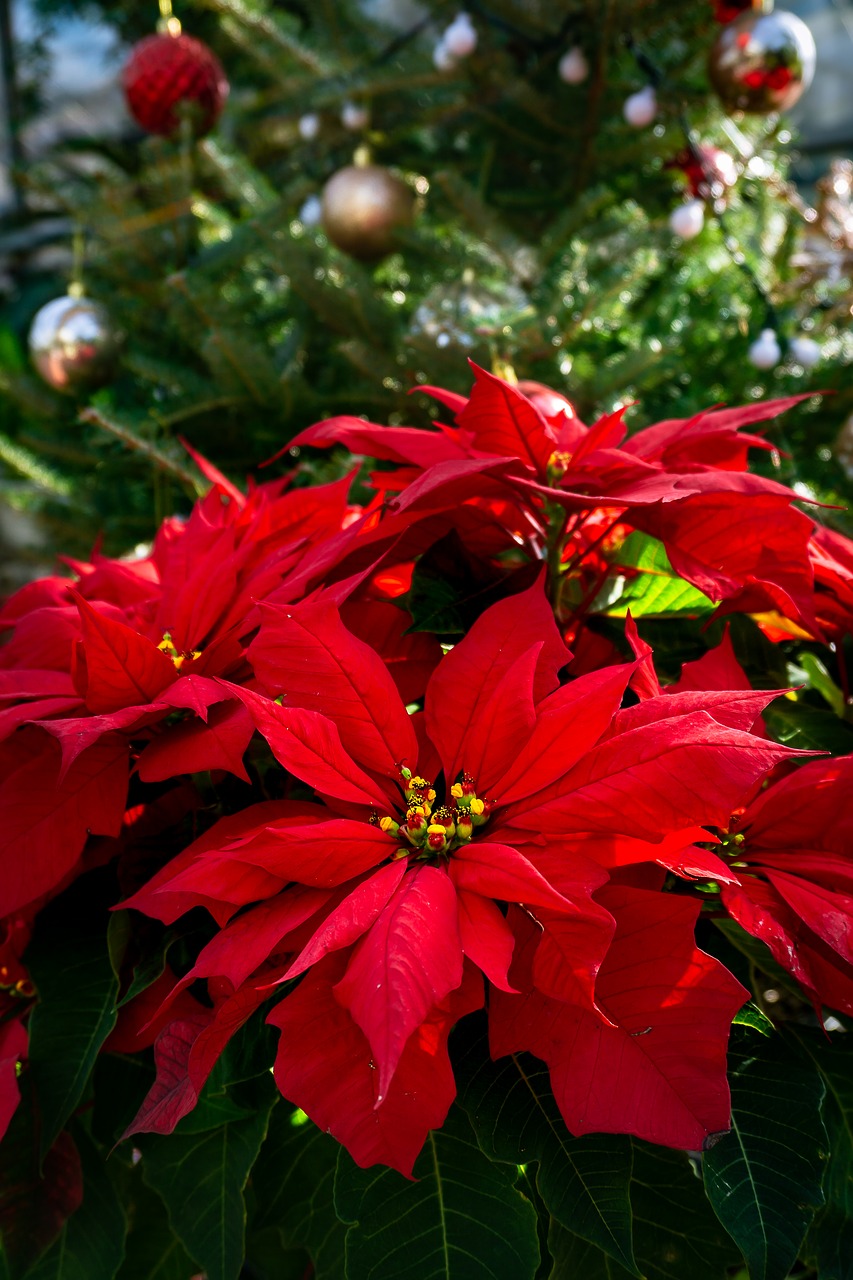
[{"x": 507, "y": 811}]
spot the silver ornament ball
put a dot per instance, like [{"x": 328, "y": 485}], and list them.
[
  {"x": 762, "y": 62},
  {"x": 74, "y": 344}
]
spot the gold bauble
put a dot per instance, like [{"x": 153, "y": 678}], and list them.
[
  {"x": 364, "y": 206},
  {"x": 74, "y": 344},
  {"x": 762, "y": 62}
]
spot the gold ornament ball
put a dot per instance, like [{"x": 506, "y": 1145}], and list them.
[
  {"x": 762, "y": 62},
  {"x": 364, "y": 206},
  {"x": 74, "y": 345}
]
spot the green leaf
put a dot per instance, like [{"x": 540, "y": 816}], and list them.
[
  {"x": 797, "y": 724},
  {"x": 583, "y": 1181},
  {"x": 830, "y": 1238},
  {"x": 676, "y": 1236},
  {"x": 91, "y": 1246},
  {"x": 153, "y": 1250},
  {"x": 751, "y": 1016},
  {"x": 763, "y": 1177},
  {"x": 820, "y": 679},
  {"x": 293, "y": 1181},
  {"x": 201, "y": 1178},
  {"x": 69, "y": 961},
  {"x": 463, "y": 1219},
  {"x": 656, "y": 591}
]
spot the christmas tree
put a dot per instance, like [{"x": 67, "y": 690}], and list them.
[{"x": 425, "y": 788}]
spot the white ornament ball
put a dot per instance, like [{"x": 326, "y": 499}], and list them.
[
  {"x": 309, "y": 126},
  {"x": 355, "y": 116},
  {"x": 641, "y": 108},
  {"x": 573, "y": 67},
  {"x": 765, "y": 352},
  {"x": 805, "y": 350},
  {"x": 311, "y": 212},
  {"x": 442, "y": 58},
  {"x": 460, "y": 38},
  {"x": 74, "y": 344},
  {"x": 688, "y": 219}
]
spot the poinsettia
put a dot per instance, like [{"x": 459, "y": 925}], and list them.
[
  {"x": 549, "y": 479},
  {"x": 432, "y": 836},
  {"x": 790, "y": 851},
  {"x": 127, "y": 653}
]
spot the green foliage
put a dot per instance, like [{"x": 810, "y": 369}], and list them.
[
  {"x": 463, "y": 1219},
  {"x": 763, "y": 1178}
]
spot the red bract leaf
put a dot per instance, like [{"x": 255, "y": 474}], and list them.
[
  {"x": 659, "y": 1070},
  {"x": 199, "y": 581},
  {"x": 568, "y": 724},
  {"x": 644, "y": 680},
  {"x": 141, "y": 1021},
  {"x": 737, "y": 709},
  {"x": 214, "y": 475},
  {"x": 309, "y": 746},
  {"x": 465, "y": 680},
  {"x": 248, "y": 941},
  {"x": 486, "y": 938},
  {"x": 195, "y": 746},
  {"x": 392, "y": 444},
  {"x": 172, "y": 1095},
  {"x": 498, "y": 871},
  {"x": 709, "y": 439},
  {"x": 324, "y": 854},
  {"x": 410, "y": 960},
  {"x": 828, "y": 914},
  {"x": 505, "y": 719},
  {"x": 219, "y": 883},
  {"x": 503, "y": 421},
  {"x": 325, "y": 1066},
  {"x": 654, "y": 779},
  {"x": 308, "y": 654},
  {"x": 677, "y": 852},
  {"x": 811, "y": 808},
  {"x": 44, "y": 823},
  {"x": 36, "y": 1202},
  {"x": 411, "y": 657},
  {"x": 120, "y": 667},
  {"x": 571, "y": 953},
  {"x": 351, "y": 919},
  {"x": 13, "y": 1047}
]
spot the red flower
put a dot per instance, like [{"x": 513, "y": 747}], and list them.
[{"x": 433, "y": 826}]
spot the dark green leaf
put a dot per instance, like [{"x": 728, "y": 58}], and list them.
[
  {"x": 676, "y": 1236},
  {"x": 69, "y": 960},
  {"x": 201, "y": 1178},
  {"x": 463, "y": 1219},
  {"x": 150, "y": 967},
  {"x": 91, "y": 1246},
  {"x": 808, "y": 728},
  {"x": 153, "y": 1250},
  {"x": 583, "y": 1181},
  {"x": 763, "y": 1177},
  {"x": 293, "y": 1181},
  {"x": 34, "y": 1203},
  {"x": 830, "y": 1238}
]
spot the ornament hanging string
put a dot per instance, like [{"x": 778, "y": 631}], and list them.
[
  {"x": 76, "y": 287},
  {"x": 168, "y": 25}
]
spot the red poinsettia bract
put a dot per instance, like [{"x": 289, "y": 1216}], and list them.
[{"x": 459, "y": 844}]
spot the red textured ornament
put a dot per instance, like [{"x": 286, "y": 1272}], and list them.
[
  {"x": 708, "y": 170},
  {"x": 167, "y": 74},
  {"x": 728, "y": 10}
]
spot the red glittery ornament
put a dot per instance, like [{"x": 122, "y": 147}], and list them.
[
  {"x": 708, "y": 170},
  {"x": 167, "y": 74},
  {"x": 728, "y": 10}
]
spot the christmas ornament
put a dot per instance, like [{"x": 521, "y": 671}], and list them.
[
  {"x": 74, "y": 344},
  {"x": 464, "y": 314},
  {"x": 728, "y": 10},
  {"x": 804, "y": 350},
  {"x": 442, "y": 58},
  {"x": 363, "y": 207},
  {"x": 688, "y": 219},
  {"x": 708, "y": 170},
  {"x": 460, "y": 38},
  {"x": 311, "y": 212},
  {"x": 309, "y": 126},
  {"x": 169, "y": 76},
  {"x": 573, "y": 67},
  {"x": 762, "y": 62},
  {"x": 641, "y": 108},
  {"x": 765, "y": 352},
  {"x": 355, "y": 116}
]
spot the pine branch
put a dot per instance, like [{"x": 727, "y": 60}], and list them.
[{"x": 133, "y": 441}]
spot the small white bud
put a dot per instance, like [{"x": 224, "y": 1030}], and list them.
[
  {"x": 355, "y": 116},
  {"x": 460, "y": 38},
  {"x": 687, "y": 220},
  {"x": 573, "y": 67},
  {"x": 641, "y": 108},
  {"x": 805, "y": 350},
  {"x": 309, "y": 126},
  {"x": 765, "y": 352}
]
